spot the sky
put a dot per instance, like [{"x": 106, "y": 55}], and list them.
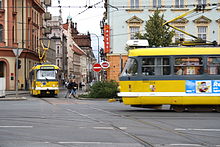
[{"x": 88, "y": 20}]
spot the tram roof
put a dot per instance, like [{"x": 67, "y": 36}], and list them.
[
  {"x": 175, "y": 51},
  {"x": 38, "y": 66}
]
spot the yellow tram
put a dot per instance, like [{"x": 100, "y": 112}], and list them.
[
  {"x": 44, "y": 80},
  {"x": 186, "y": 78}
]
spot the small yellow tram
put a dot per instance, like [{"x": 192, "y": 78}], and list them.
[
  {"x": 185, "y": 78},
  {"x": 44, "y": 80}
]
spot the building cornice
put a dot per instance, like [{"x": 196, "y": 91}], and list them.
[
  {"x": 202, "y": 19},
  {"x": 134, "y": 19}
]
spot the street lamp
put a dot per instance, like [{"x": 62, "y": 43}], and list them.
[{"x": 98, "y": 44}]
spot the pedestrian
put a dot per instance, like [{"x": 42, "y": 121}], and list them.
[
  {"x": 74, "y": 87},
  {"x": 69, "y": 86},
  {"x": 93, "y": 82}
]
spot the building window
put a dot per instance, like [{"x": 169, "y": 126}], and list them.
[
  {"x": 58, "y": 49},
  {"x": 179, "y": 3},
  {"x": 200, "y": 2},
  {"x": 1, "y": 33},
  {"x": 156, "y": 3},
  {"x": 58, "y": 63},
  {"x": 179, "y": 35},
  {"x": 202, "y": 32},
  {"x": 133, "y": 31},
  {"x": 134, "y": 3}
]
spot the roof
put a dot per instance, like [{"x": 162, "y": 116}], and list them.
[
  {"x": 38, "y": 66},
  {"x": 78, "y": 50},
  {"x": 82, "y": 40},
  {"x": 65, "y": 26},
  {"x": 175, "y": 51}
]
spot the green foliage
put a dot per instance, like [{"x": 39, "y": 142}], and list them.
[
  {"x": 157, "y": 34},
  {"x": 104, "y": 89}
]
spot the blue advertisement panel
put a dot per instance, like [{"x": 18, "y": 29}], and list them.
[
  {"x": 216, "y": 86},
  {"x": 202, "y": 86}
]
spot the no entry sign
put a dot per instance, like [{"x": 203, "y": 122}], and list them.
[
  {"x": 97, "y": 67},
  {"x": 105, "y": 64}
]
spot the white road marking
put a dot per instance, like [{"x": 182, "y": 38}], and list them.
[
  {"x": 190, "y": 129},
  {"x": 185, "y": 145},
  {"x": 16, "y": 126},
  {"x": 81, "y": 142},
  {"x": 109, "y": 128},
  {"x": 102, "y": 143}
]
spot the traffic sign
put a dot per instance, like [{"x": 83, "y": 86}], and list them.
[
  {"x": 97, "y": 67},
  {"x": 105, "y": 64},
  {"x": 17, "y": 51}
]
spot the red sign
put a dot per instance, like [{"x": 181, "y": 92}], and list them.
[
  {"x": 106, "y": 38},
  {"x": 105, "y": 64},
  {"x": 97, "y": 67}
]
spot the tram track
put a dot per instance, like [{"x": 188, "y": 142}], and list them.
[
  {"x": 189, "y": 137},
  {"x": 134, "y": 137},
  {"x": 138, "y": 139}
]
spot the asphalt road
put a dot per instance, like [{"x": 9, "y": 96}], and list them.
[{"x": 58, "y": 122}]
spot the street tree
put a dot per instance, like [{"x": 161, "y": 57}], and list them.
[{"x": 157, "y": 34}]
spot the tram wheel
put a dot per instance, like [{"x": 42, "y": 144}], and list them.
[
  {"x": 178, "y": 108},
  {"x": 217, "y": 108}
]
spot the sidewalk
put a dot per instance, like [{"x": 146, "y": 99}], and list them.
[{"x": 11, "y": 95}]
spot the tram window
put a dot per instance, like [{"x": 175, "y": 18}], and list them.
[
  {"x": 214, "y": 65},
  {"x": 131, "y": 67},
  {"x": 155, "y": 66},
  {"x": 188, "y": 66}
]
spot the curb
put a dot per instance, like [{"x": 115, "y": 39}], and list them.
[{"x": 13, "y": 99}]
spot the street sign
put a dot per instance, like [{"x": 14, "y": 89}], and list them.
[
  {"x": 105, "y": 64},
  {"x": 97, "y": 67},
  {"x": 17, "y": 51}
]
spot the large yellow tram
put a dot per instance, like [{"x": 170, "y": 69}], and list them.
[
  {"x": 44, "y": 80},
  {"x": 185, "y": 78}
]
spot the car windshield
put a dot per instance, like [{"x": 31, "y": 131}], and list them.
[
  {"x": 46, "y": 74},
  {"x": 131, "y": 67}
]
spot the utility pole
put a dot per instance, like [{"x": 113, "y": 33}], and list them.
[
  {"x": 17, "y": 53},
  {"x": 98, "y": 44}
]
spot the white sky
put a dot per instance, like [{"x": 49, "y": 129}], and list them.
[{"x": 88, "y": 20}]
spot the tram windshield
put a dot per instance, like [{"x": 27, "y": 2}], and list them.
[
  {"x": 46, "y": 74},
  {"x": 131, "y": 67}
]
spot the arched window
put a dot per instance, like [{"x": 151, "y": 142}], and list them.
[{"x": 1, "y": 32}]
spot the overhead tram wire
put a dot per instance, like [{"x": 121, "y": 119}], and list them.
[
  {"x": 123, "y": 6},
  {"x": 89, "y": 7}
]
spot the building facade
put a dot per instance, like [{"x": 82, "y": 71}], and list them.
[
  {"x": 21, "y": 27},
  {"x": 127, "y": 17},
  {"x": 59, "y": 43}
]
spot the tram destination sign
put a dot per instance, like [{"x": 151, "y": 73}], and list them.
[{"x": 47, "y": 67}]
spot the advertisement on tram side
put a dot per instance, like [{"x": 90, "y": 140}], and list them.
[{"x": 203, "y": 86}]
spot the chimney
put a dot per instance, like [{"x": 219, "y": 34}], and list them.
[{"x": 76, "y": 26}]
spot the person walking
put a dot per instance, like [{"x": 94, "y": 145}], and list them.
[
  {"x": 73, "y": 87},
  {"x": 69, "y": 86}
]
